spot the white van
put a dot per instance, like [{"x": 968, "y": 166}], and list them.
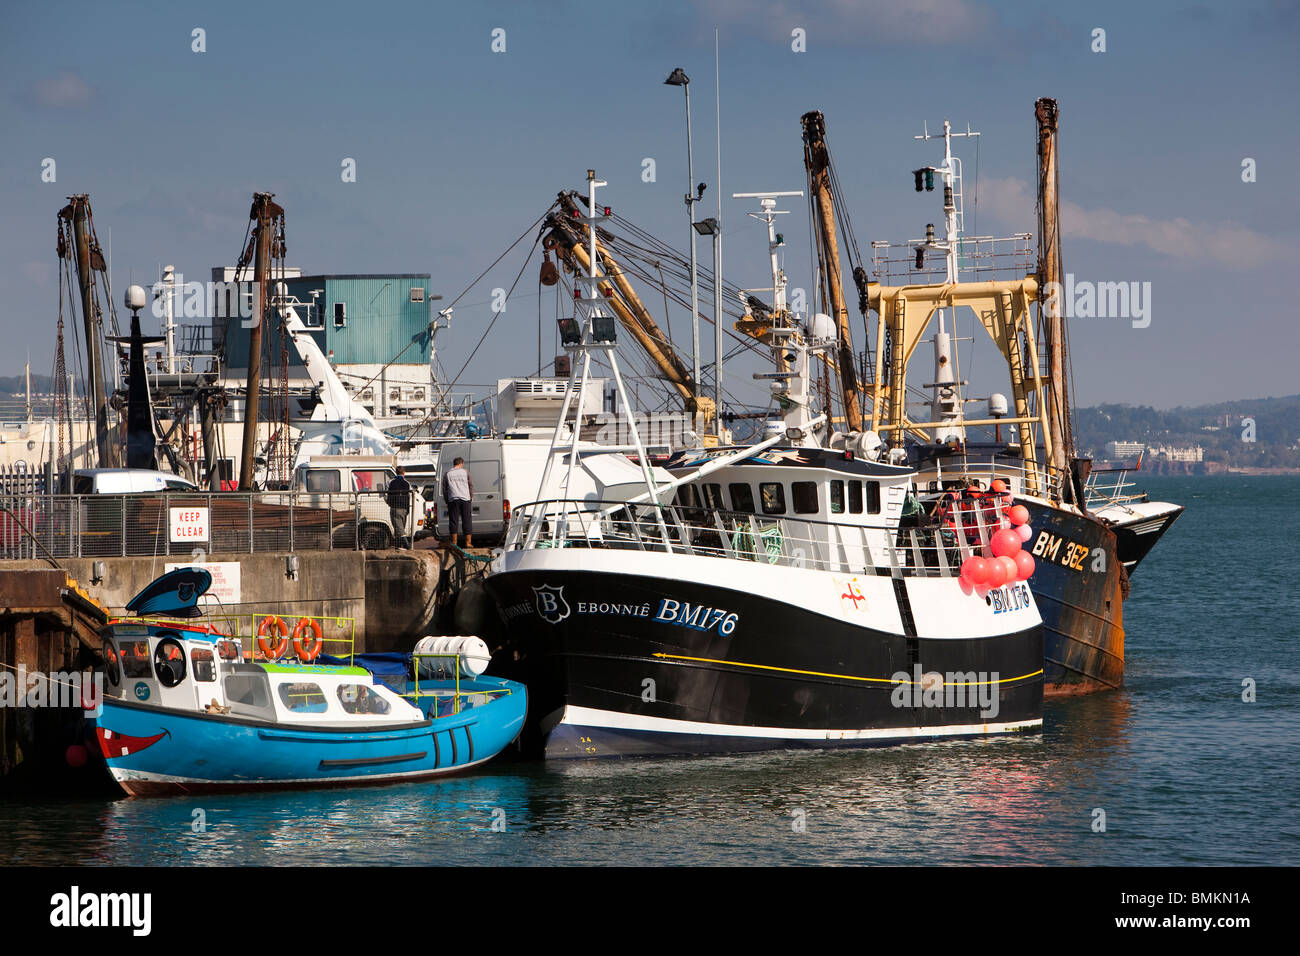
[
  {"x": 507, "y": 473},
  {"x": 127, "y": 481},
  {"x": 322, "y": 476}
]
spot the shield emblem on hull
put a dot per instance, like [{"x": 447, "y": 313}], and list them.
[{"x": 551, "y": 606}]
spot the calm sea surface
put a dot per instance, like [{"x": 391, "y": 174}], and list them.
[{"x": 1184, "y": 770}]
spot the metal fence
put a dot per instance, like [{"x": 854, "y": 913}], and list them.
[{"x": 36, "y": 526}]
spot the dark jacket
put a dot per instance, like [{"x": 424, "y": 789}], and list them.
[{"x": 399, "y": 494}]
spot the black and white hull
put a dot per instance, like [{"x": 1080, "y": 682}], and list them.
[
  {"x": 642, "y": 653},
  {"x": 1138, "y": 525}
]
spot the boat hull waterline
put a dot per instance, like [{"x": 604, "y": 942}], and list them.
[
  {"x": 622, "y": 664},
  {"x": 152, "y": 751}
]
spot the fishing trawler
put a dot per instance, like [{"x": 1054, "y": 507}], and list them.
[
  {"x": 1087, "y": 539},
  {"x": 777, "y": 602},
  {"x": 187, "y": 710}
]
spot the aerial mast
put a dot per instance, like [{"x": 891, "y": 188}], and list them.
[{"x": 946, "y": 401}]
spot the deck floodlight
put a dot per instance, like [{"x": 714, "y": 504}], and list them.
[
  {"x": 708, "y": 227},
  {"x": 677, "y": 77},
  {"x": 570, "y": 332},
  {"x": 603, "y": 329}
]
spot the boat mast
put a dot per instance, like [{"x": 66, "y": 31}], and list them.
[
  {"x": 583, "y": 337},
  {"x": 817, "y": 162},
  {"x": 1049, "y": 266},
  {"x": 263, "y": 212},
  {"x": 88, "y": 256}
]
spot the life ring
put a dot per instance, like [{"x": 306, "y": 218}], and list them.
[
  {"x": 272, "y": 651},
  {"x": 307, "y": 652}
]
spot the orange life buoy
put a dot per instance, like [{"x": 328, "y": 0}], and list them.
[
  {"x": 309, "y": 651},
  {"x": 273, "y": 651}
]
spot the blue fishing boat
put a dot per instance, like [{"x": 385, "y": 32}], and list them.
[{"x": 188, "y": 708}]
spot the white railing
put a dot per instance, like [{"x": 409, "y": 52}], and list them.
[{"x": 926, "y": 549}]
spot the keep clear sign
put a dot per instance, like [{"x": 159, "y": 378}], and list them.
[{"x": 189, "y": 524}]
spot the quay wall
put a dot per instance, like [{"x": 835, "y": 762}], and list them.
[{"x": 392, "y": 595}]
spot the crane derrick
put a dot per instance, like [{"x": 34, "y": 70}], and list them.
[
  {"x": 817, "y": 162},
  {"x": 570, "y": 246}
]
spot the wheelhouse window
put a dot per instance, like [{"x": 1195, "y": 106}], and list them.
[
  {"x": 742, "y": 497},
  {"x": 837, "y": 497},
  {"x": 873, "y": 497},
  {"x": 204, "y": 664},
  {"x": 772, "y": 494},
  {"x": 855, "y": 497},
  {"x": 135, "y": 659},
  {"x": 112, "y": 664},
  {"x": 249, "y": 694},
  {"x": 804, "y": 496},
  {"x": 303, "y": 697},
  {"x": 169, "y": 662},
  {"x": 712, "y": 494},
  {"x": 360, "y": 699}
]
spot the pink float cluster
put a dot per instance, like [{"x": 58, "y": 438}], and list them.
[{"x": 1004, "y": 560}]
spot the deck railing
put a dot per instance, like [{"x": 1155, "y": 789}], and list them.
[
  {"x": 920, "y": 550},
  {"x": 455, "y": 697}
]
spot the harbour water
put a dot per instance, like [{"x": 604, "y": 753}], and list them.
[{"x": 1184, "y": 771}]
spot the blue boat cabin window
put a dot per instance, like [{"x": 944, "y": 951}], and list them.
[
  {"x": 855, "y": 497},
  {"x": 303, "y": 698},
  {"x": 804, "y": 495},
  {"x": 249, "y": 694},
  {"x": 360, "y": 699},
  {"x": 742, "y": 497},
  {"x": 873, "y": 497},
  {"x": 205, "y": 667},
  {"x": 837, "y": 497},
  {"x": 135, "y": 659},
  {"x": 112, "y": 664},
  {"x": 773, "y": 495},
  {"x": 169, "y": 662}
]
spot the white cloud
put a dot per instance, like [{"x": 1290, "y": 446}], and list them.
[
  {"x": 64, "y": 90},
  {"x": 1012, "y": 201}
]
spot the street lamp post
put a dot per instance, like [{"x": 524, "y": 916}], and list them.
[{"x": 678, "y": 77}]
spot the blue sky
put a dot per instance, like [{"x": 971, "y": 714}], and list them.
[{"x": 458, "y": 148}]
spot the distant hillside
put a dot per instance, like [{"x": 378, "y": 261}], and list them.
[
  {"x": 1221, "y": 430},
  {"x": 17, "y": 385}
]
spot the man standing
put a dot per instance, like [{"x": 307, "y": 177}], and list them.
[
  {"x": 399, "y": 507},
  {"x": 458, "y": 493}
]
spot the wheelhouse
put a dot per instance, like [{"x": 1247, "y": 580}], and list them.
[{"x": 192, "y": 667}]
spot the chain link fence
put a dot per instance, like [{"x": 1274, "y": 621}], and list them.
[{"x": 35, "y": 526}]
